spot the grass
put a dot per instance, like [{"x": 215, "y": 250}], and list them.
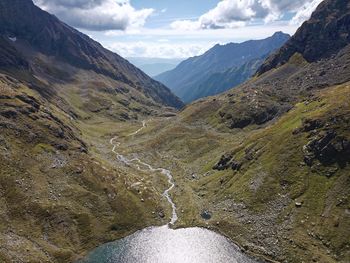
[
  {"x": 56, "y": 205},
  {"x": 277, "y": 170},
  {"x": 59, "y": 204}
]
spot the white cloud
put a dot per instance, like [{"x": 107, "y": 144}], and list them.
[
  {"x": 159, "y": 50},
  {"x": 305, "y": 12},
  {"x": 168, "y": 43},
  {"x": 239, "y": 13},
  {"x": 237, "y": 34},
  {"x": 97, "y": 15},
  {"x": 227, "y": 14}
]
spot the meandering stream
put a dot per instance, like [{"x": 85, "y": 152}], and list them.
[
  {"x": 163, "y": 244},
  {"x": 140, "y": 164}
]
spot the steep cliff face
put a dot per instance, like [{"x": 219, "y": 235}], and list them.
[{"x": 323, "y": 35}]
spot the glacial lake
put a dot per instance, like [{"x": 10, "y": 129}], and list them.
[{"x": 165, "y": 245}]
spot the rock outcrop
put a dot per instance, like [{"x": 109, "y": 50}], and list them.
[
  {"x": 323, "y": 35},
  {"x": 328, "y": 148}
]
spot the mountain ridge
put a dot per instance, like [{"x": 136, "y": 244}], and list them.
[
  {"x": 189, "y": 74},
  {"x": 220, "y": 82},
  {"x": 54, "y": 38},
  {"x": 324, "y": 36}
]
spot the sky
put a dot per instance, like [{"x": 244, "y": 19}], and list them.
[{"x": 178, "y": 28}]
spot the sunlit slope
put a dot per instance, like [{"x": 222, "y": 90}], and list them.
[
  {"x": 59, "y": 198},
  {"x": 281, "y": 190}
]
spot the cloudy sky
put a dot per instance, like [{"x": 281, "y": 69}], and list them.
[{"x": 178, "y": 28}]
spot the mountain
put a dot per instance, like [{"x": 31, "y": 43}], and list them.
[
  {"x": 154, "y": 66},
  {"x": 63, "y": 97},
  {"x": 191, "y": 74},
  {"x": 219, "y": 82},
  {"x": 320, "y": 37},
  {"x": 267, "y": 163},
  {"x": 30, "y": 26}
]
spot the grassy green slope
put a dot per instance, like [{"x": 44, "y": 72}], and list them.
[
  {"x": 275, "y": 205},
  {"x": 59, "y": 195}
]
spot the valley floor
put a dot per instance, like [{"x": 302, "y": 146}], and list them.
[
  {"x": 265, "y": 186},
  {"x": 274, "y": 205}
]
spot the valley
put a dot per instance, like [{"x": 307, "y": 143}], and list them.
[
  {"x": 260, "y": 199},
  {"x": 101, "y": 163}
]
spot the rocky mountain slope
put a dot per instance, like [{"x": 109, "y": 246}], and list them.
[
  {"x": 325, "y": 33},
  {"x": 189, "y": 79},
  {"x": 35, "y": 30},
  {"x": 62, "y": 98},
  {"x": 268, "y": 163}
]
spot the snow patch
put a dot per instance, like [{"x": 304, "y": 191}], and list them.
[{"x": 13, "y": 39}]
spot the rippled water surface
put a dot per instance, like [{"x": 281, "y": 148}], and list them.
[{"x": 164, "y": 245}]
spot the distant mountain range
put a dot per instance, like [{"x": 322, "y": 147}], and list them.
[
  {"x": 154, "y": 66},
  {"x": 220, "y": 68}
]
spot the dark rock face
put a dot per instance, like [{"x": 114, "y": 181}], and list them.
[
  {"x": 309, "y": 125},
  {"x": 224, "y": 163},
  {"x": 328, "y": 148},
  {"x": 259, "y": 117},
  {"x": 9, "y": 114},
  {"x": 227, "y": 161},
  {"x": 39, "y": 30},
  {"x": 327, "y": 31}
]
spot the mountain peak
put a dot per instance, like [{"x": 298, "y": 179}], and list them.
[
  {"x": 279, "y": 34},
  {"x": 325, "y": 33}
]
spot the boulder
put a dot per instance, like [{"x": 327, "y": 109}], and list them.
[
  {"x": 206, "y": 215},
  {"x": 298, "y": 204}
]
